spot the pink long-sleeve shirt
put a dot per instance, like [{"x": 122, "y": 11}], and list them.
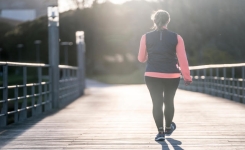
[{"x": 181, "y": 55}]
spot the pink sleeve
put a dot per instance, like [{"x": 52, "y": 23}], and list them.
[
  {"x": 182, "y": 58},
  {"x": 142, "y": 55}
]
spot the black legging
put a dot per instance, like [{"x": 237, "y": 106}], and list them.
[{"x": 156, "y": 87}]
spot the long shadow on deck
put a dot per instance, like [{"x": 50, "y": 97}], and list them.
[
  {"x": 171, "y": 142},
  {"x": 11, "y": 132}
]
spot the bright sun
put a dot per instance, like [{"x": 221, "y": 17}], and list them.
[{"x": 118, "y": 1}]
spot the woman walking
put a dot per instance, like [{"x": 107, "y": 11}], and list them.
[{"x": 163, "y": 50}]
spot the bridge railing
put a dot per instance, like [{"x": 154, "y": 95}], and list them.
[
  {"x": 68, "y": 84},
  {"x": 224, "y": 80},
  {"x": 29, "y": 97},
  {"x": 22, "y": 100}
]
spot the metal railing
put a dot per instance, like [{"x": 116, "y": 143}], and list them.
[
  {"x": 33, "y": 98},
  {"x": 68, "y": 84},
  {"x": 225, "y": 80},
  {"x": 27, "y": 99}
]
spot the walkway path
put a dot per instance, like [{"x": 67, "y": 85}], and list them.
[{"x": 119, "y": 117}]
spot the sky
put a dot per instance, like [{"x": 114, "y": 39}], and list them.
[{"x": 65, "y": 5}]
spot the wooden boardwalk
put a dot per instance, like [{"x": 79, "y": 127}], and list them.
[{"x": 119, "y": 117}]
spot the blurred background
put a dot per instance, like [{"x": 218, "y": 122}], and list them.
[{"x": 213, "y": 31}]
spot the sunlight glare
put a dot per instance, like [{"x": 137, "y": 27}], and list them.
[
  {"x": 65, "y": 5},
  {"x": 118, "y": 1}
]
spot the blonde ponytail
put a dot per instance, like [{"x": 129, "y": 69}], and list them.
[{"x": 160, "y": 18}]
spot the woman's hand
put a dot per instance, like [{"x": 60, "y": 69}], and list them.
[{"x": 188, "y": 82}]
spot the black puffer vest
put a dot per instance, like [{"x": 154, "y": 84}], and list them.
[{"x": 161, "y": 48}]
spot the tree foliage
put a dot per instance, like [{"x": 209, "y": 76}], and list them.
[{"x": 4, "y": 28}]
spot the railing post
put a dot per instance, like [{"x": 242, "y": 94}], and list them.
[
  {"x": 69, "y": 83},
  {"x": 16, "y": 94},
  {"x": 205, "y": 81},
  {"x": 243, "y": 84},
  {"x": 39, "y": 108},
  {"x": 197, "y": 80},
  {"x": 238, "y": 90},
  {"x": 193, "y": 79},
  {"x": 53, "y": 25},
  {"x": 47, "y": 104},
  {"x": 65, "y": 85},
  {"x": 23, "y": 113},
  {"x": 211, "y": 89},
  {"x": 50, "y": 96},
  {"x": 230, "y": 88},
  {"x": 224, "y": 82},
  {"x": 3, "y": 119},
  {"x": 217, "y": 83},
  {"x": 233, "y": 84},
  {"x": 80, "y": 61},
  {"x": 198, "y": 89},
  {"x": 190, "y": 86},
  {"x": 33, "y": 110}
]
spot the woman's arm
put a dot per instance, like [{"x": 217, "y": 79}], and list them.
[
  {"x": 142, "y": 55},
  {"x": 182, "y": 58}
]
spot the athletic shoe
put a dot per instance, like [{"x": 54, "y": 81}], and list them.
[
  {"x": 168, "y": 132},
  {"x": 160, "y": 137}
]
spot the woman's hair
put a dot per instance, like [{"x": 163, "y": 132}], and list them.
[{"x": 160, "y": 18}]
